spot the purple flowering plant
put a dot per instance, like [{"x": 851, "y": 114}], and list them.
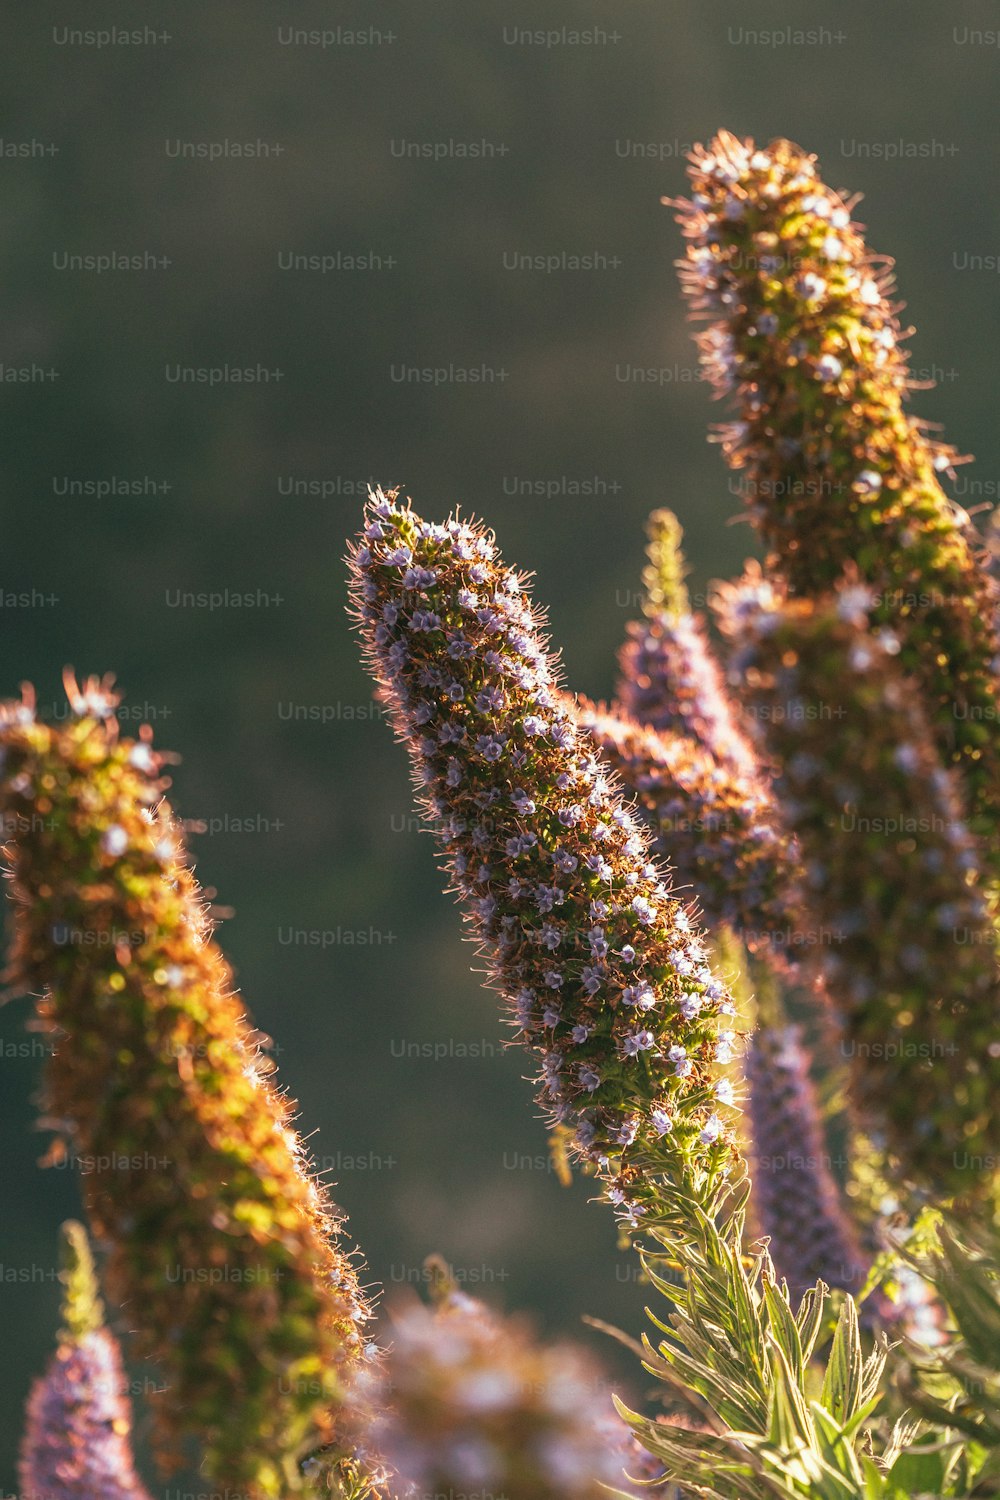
[{"x": 728, "y": 917}]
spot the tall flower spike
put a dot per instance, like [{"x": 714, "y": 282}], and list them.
[
  {"x": 607, "y": 983},
  {"x": 76, "y": 1443},
  {"x": 795, "y": 1198},
  {"x": 721, "y": 832},
  {"x": 223, "y": 1246},
  {"x": 479, "y": 1407},
  {"x": 803, "y": 336},
  {"x": 669, "y": 677},
  {"x": 890, "y": 868}
]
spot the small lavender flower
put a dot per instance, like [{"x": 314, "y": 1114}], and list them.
[
  {"x": 476, "y": 1405},
  {"x": 808, "y": 344},
  {"x": 796, "y": 1200},
  {"x": 77, "y": 1441},
  {"x": 524, "y": 874},
  {"x": 891, "y": 874}
]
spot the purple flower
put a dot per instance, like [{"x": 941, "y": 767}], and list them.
[
  {"x": 557, "y": 835},
  {"x": 638, "y": 1041}
]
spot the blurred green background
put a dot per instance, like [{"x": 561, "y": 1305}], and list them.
[{"x": 256, "y": 487}]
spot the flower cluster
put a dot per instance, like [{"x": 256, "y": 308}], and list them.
[
  {"x": 77, "y": 1437},
  {"x": 477, "y": 1406},
  {"x": 796, "y": 1200},
  {"x": 224, "y": 1247},
  {"x": 890, "y": 870},
  {"x": 607, "y": 980},
  {"x": 720, "y": 831},
  {"x": 801, "y": 332},
  {"x": 670, "y": 679}
]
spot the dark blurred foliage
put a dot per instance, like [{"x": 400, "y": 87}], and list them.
[{"x": 333, "y": 847}]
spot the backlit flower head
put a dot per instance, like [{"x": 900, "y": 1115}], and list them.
[
  {"x": 477, "y": 1406},
  {"x": 555, "y": 896},
  {"x": 803, "y": 336},
  {"x": 222, "y": 1244},
  {"x": 77, "y": 1440},
  {"x": 890, "y": 871}
]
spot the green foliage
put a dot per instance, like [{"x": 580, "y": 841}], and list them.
[
  {"x": 956, "y": 1386},
  {"x": 760, "y": 1421}
]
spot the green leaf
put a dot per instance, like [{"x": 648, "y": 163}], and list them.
[
  {"x": 916, "y": 1472},
  {"x": 789, "y": 1423},
  {"x": 784, "y": 1328},
  {"x": 834, "y": 1444},
  {"x": 842, "y": 1384},
  {"x": 809, "y": 1318}
]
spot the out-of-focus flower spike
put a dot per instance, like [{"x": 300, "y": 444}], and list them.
[
  {"x": 721, "y": 832},
  {"x": 478, "y": 1406},
  {"x": 222, "y": 1244},
  {"x": 796, "y": 1199},
  {"x": 890, "y": 870},
  {"x": 663, "y": 576},
  {"x": 670, "y": 679},
  {"x": 77, "y": 1440},
  {"x": 802, "y": 334},
  {"x": 607, "y": 981}
]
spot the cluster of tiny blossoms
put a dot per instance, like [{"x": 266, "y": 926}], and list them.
[
  {"x": 607, "y": 981},
  {"x": 801, "y": 333},
  {"x": 796, "y": 1200},
  {"x": 719, "y": 830},
  {"x": 224, "y": 1248},
  {"x": 673, "y": 737},
  {"x": 77, "y": 1438},
  {"x": 670, "y": 679},
  {"x": 477, "y": 1406},
  {"x": 890, "y": 870}
]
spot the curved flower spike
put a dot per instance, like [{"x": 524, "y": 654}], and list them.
[
  {"x": 795, "y": 1197},
  {"x": 77, "y": 1440},
  {"x": 607, "y": 983},
  {"x": 802, "y": 334},
  {"x": 479, "y": 1407},
  {"x": 670, "y": 679},
  {"x": 720, "y": 830},
  {"x": 223, "y": 1246},
  {"x": 890, "y": 868}
]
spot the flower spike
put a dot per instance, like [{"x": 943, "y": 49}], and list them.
[
  {"x": 223, "y": 1245},
  {"x": 795, "y": 1198},
  {"x": 802, "y": 335},
  {"x": 607, "y": 983},
  {"x": 479, "y": 1407},
  {"x": 77, "y": 1440},
  {"x": 670, "y": 679},
  {"x": 890, "y": 868},
  {"x": 721, "y": 832}
]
